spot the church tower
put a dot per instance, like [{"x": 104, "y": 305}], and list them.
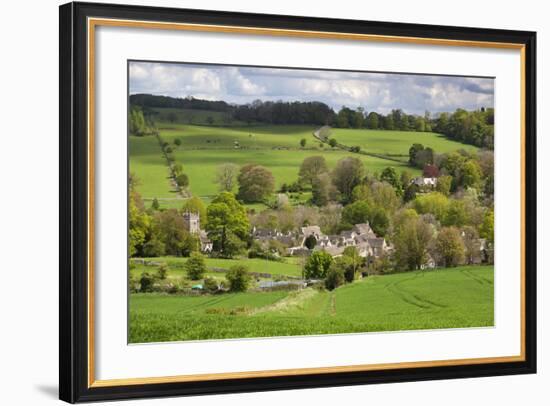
[{"x": 192, "y": 222}]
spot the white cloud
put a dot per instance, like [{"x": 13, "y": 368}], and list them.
[{"x": 374, "y": 91}]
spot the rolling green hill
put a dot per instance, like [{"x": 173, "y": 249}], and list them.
[
  {"x": 396, "y": 142},
  {"x": 204, "y": 147}
]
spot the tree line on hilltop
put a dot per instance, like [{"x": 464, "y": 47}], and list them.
[{"x": 470, "y": 127}]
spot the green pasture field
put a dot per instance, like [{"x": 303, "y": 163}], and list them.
[
  {"x": 150, "y": 167},
  {"x": 444, "y": 298},
  {"x": 396, "y": 143},
  {"x": 287, "y": 267},
  {"x": 204, "y": 148}
]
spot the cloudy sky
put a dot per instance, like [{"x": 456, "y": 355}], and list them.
[{"x": 373, "y": 91}]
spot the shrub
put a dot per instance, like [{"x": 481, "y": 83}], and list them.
[
  {"x": 238, "y": 278},
  {"x": 168, "y": 150},
  {"x": 177, "y": 141},
  {"x": 155, "y": 204},
  {"x": 335, "y": 276},
  {"x": 317, "y": 265},
  {"x": 146, "y": 282},
  {"x": 195, "y": 267},
  {"x": 310, "y": 242},
  {"x": 154, "y": 248},
  {"x": 133, "y": 285},
  {"x": 163, "y": 271},
  {"x": 210, "y": 285},
  {"x": 182, "y": 180}
]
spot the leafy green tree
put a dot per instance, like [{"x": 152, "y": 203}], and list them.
[
  {"x": 389, "y": 123},
  {"x": 137, "y": 123},
  {"x": 406, "y": 178},
  {"x": 420, "y": 124},
  {"x": 444, "y": 184},
  {"x": 389, "y": 175},
  {"x": 311, "y": 168},
  {"x": 195, "y": 266},
  {"x": 453, "y": 163},
  {"x": 155, "y": 204},
  {"x": 470, "y": 237},
  {"x": 317, "y": 265},
  {"x": 385, "y": 196},
  {"x": 303, "y": 142},
  {"x": 226, "y": 177},
  {"x": 471, "y": 174},
  {"x": 356, "y": 213},
  {"x": 256, "y": 183},
  {"x": 410, "y": 192},
  {"x": 233, "y": 245},
  {"x": 177, "y": 141},
  {"x": 457, "y": 214},
  {"x": 139, "y": 222},
  {"x": 487, "y": 227},
  {"x": 379, "y": 194},
  {"x": 182, "y": 180},
  {"x": 169, "y": 228},
  {"x": 434, "y": 203},
  {"x": 189, "y": 244},
  {"x": 226, "y": 219},
  {"x": 210, "y": 284},
  {"x": 353, "y": 263},
  {"x": 347, "y": 174},
  {"x": 412, "y": 237},
  {"x": 335, "y": 275},
  {"x": 177, "y": 169},
  {"x": 146, "y": 282},
  {"x": 323, "y": 190},
  {"x": 310, "y": 242},
  {"x": 154, "y": 247},
  {"x": 238, "y": 278},
  {"x": 195, "y": 205},
  {"x": 413, "y": 151},
  {"x": 379, "y": 221},
  {"x": 424, "y": 157},
  {"x": 449, "y": 246},
  {"x": 373, "y": 121},
  {"x": 332, "y": 142},
  {"x": 163, "y": 271}
]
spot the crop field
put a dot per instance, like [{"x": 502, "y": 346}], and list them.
[{"x": 445, "y": 298}]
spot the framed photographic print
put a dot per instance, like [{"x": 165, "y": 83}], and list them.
[{"x": 259, "y": 202}]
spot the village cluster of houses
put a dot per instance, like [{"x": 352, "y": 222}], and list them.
[
  {"x": 306, "y": 240},
  {"x": 361, "y": 236},
  {"x": 311, "y": 238}
]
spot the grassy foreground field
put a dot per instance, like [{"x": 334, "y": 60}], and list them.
[{"x": 445, "y": 298}]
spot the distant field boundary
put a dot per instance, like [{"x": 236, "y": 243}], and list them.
[{"x": 348, "y": 148}]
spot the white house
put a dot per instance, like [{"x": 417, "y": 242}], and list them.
[{"x": 421, "y": 181}]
